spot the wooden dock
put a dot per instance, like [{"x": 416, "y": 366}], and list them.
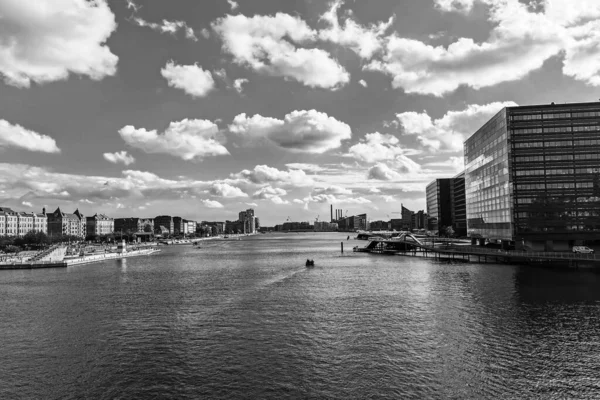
[{"x": 445, "y": 251}]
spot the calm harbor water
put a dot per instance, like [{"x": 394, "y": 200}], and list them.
[{"x": 246, "y": 319}]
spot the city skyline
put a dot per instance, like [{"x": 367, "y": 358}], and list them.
[{"x": 351, "y": 104}]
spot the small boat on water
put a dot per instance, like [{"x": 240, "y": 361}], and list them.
[{"x": 310, "y": 263}]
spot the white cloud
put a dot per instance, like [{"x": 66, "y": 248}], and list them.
[
  {"x": 192, "y": 79},
  {"x": 226, "y": 190},
  {"x": 233, "y": 4},
  {"x": 205, "y": 33},
  {"x": 333, "y": 189},
  {"x": 119, "y": 157},
  {"x": 263, "y": 174},
  {"x": 364, "y": 41},
  {"x": 300, "y": 131},
  {"x": 132, "y": 5},
  {"x": 332, "y": 199},
  {"x": 298, "y": 201},
  {"x": 189, "y": 139},
  {"x": 252, "y": 204},
  {"x": 382, "y": 172},
  {"x": 171, "y": 27},
  {"x": 46, "y": 40},
  {"x": 463, "y": 6},
  {"x": 374, "y": 190},
  {"x": 27, "y": 204},
  {"x": 267, "y": 44},
  {"x": 212, "y": 204},
  {"x": 237, "y": 84},
  {"x": 450, "y": 131},
  {"x": 523, "y": 37},
  {"x": 363, "y": 83},
  {"x": 305, "y": 167},
  {"x": 271, "y": 193},
  {"x": 18, "y": 137},
  {"x": 378, "y": 147}
]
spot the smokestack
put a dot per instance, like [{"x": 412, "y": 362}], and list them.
[
  {"x": 44, "y": 210},
  {"x": 331, "y": 212}
]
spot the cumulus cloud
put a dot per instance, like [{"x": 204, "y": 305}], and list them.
[
  {"x": 268, "y": 44},
  {"x": 46, "y": 40},
  {"x": 263, "y": 174},
  {"x": 300, "y": 131},
  {"x": 42, "y": 185},
  {"x": 189, "y": 139},
  {"x": 211, "y": 204},
  {"x": 16, "y": 136},
  {"x": 379, "y": 147},
  {"x": 205, "y": 33},
  {"x": 233, "y": 4},
  {"x": 237, "y": 84},
  {"x": 119, "y": 157},
  {"x": 171, "y": 27},
  {"x": 271, "y": 193},
  {"x": 523, "y": 37},
  {"x": 192, "y": 79},
  {"x": 450, "y": 131},
  {"x": 364, "y": 41},
  {"x": 27, "y": 204},
  {"x": 363, "y": 83},
  {"x": 382, "y": 172},
  {"x": 226, "y": 190}
]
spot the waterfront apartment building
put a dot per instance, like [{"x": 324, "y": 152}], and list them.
[
  {"x": 248, "y": 220},
  {"x": 165, "y": 221},
  {"x": 24, "y": 223},
  {"x": 532, "y": 176},
  {"x": 99, "y": 225},
  {"x": 131, "y": 225},
  {"x": 379, "y": 225},
  {"x": 40, "y": 222},
  {"x": 325, "y": 226},
  {"x": 60, "y": 224}
]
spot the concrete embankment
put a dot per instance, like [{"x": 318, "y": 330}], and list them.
[{"x": 87, "y": 259}]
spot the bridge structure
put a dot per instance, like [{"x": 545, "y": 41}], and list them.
[{"x": 448, "y": 249}]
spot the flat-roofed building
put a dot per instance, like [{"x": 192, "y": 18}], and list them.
[
  {"x": 532, "y": 176},
  {"x": 165, "y": 221}
]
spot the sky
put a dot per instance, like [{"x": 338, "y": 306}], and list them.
[{"x": 202, "y": 109}]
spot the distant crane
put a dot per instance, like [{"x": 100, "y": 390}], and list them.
[
  {"x": 346, "y": 216},
  {"x": 288, "y": 219},
  {"x": 317, "y": 220}
]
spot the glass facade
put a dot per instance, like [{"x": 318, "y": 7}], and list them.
[
  {"x": 439, "y": 205},
  {"x": 487, "y": 181},
  {"x": 459, "y": 210},
  {"x": 555, "y": 170}
]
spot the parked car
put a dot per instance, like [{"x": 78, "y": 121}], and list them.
[{"x": 582, "y": 249}]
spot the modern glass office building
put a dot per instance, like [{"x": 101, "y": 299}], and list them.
[
  {"x": 532, "y": 176},
  {"x": 439, "y": 205},
  {"x": 446, "y": 205}
]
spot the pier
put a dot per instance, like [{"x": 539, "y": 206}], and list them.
[{"x": 447, "y": 250}]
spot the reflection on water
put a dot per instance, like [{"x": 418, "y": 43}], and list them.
[{"x": 247, "y": 319}]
